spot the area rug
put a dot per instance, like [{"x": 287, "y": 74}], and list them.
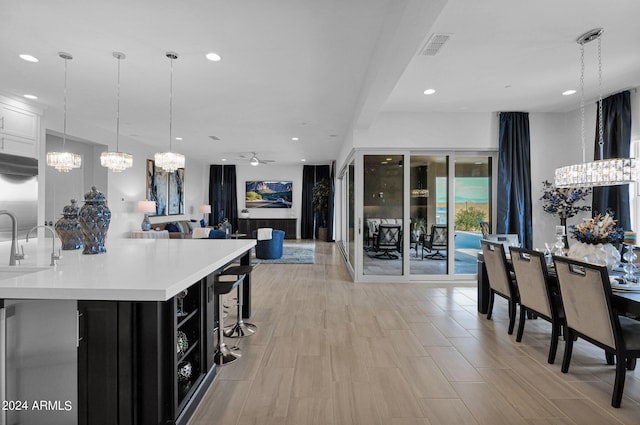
[{"x": 292, "y": 253}]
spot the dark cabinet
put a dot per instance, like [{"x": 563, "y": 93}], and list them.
[
  {"x": 145, "y": 362},
  {"x": 248, "y": 225}
]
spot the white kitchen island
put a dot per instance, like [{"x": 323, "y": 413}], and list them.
[{"x": 119, "y": 321}]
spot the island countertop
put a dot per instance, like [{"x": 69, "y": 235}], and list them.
[{"x": 130, "y": 270}]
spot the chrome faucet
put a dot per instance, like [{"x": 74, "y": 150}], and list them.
[
  {"x": 15, "y": 255},
  {"x": 54, "y": 257}
]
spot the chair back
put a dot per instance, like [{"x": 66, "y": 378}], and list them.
[
  {"x": 484, "y": 228},
  {"x": 532, "y": 277},
  {"x": 495, "y": 261},
  {"x": 388, "y": 236},
  {"x": 438, "y": 236},
  {"x": 586, "y": 295}
]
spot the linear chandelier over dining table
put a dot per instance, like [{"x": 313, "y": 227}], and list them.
[{"x": 602, "y": 172}]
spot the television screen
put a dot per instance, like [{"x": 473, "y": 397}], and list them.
[{"x": 268, "y": 194}]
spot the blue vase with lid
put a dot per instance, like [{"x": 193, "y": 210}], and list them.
[
  {"x": 95, "y": 217},
  {"x": 68, "y": 227}
]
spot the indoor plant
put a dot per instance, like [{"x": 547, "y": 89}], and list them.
[
  {"x": 320, "y": 201},
  {"x": 595, "y": 237}
]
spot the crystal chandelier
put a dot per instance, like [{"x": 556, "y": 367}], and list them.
[
  {"x": 602, "y": 172},
  {"x": 170, "y": 161},
  {"x": 64, "y": 161},
  {"x": 117, "y": 161}
]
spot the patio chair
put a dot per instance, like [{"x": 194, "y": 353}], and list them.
[
  {"x": 436, "y": 241},
  {"x": 387, "y": 240}
]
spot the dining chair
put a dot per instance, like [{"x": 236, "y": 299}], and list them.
[
  {"x": 501, "y": 281},
  {"x": 536, "y": 294},
  {"x": 586, "y": 293}
]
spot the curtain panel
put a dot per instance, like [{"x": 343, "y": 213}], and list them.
[
  {"x": 310, "y": 220},
  {"x": 223, "y": 195},
  {"x": 616, "y": 124},
  {"x": 514, "y": 177}
]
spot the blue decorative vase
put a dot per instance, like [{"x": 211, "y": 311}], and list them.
[
  {"x": 95, "y": 217},
  {"x": 68, "y": 227}
]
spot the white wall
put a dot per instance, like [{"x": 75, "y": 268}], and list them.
[{"x": 293, "y": 173}]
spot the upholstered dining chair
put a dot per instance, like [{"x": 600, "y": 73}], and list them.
[
  {"x": 501, "y": 281},
  {"x": 436, "y": 241},
  {"x": 586, "y": 294},
  {"x": 536, "y": 295},
  {"x": 387, "y": 240}
]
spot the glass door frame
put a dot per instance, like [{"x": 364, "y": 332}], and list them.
[{"x": 357, "y": 156}]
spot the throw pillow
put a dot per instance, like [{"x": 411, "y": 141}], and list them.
[
  {"x": 172, "y": 227},
  {"x": 217, "y": 234}
]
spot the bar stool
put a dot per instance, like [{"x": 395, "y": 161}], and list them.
[
  {"x": 225, "y": 355},
  {"x": 239, "y": 329}
]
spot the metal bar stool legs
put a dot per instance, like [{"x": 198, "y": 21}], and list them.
[
  {"x": 240, "y": 329},
  {"x": 223, "y": 354}
]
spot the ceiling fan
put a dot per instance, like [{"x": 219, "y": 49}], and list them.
[{"x": 254, "y": 160}]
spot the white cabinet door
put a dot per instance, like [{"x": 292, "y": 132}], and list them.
[
  {"x": 18, "y": 122},
  {"x": 18, "y": 146}
]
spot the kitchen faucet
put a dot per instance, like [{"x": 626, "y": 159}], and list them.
[
  {"x": 54, "y": 257},
  {"x": 15, "y": 255}
]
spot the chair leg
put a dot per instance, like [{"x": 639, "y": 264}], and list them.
[
  {"x": 609, "y": 357},
  {"x": 553, "y": 348},
  {"x": 618, "y": 386},
  {"x": 523, "y": 318},
  {"x": 631, "y": 363},
  {"x": 492, "y": 296},
  {"x": 512, "y": 316},
  {"x": 568, "y": 348}
]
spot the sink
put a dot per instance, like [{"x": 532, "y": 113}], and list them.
[{"x": 8, "y": 272}]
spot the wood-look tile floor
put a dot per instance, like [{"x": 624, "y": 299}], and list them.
[{"x": 332, "y": 352}]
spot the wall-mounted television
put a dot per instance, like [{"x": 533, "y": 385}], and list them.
[{"x": 268, "y": 194}]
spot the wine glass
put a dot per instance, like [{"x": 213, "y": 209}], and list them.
[
  {"x": 180, "y": 298},
  {"x": 548, "y": 250}
]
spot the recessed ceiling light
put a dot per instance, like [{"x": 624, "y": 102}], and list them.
[
  {"x": 478, "y": 162},
  {"x": 568, "y": 92},
  {"x": 178, "y": 138},
  {"x": 303, "y": 160},
  {"x": 429, "y": 91},
  {"x": 213, "y": 57},
  {"x": 224, "y": 160},
  {"x": 295, "y": 139},
  {"x": 389, "y": 159},
  {"x": 29, "y": 58},
  {"x": 30, "y": 96},
  {"x": 384, "y": 162}
]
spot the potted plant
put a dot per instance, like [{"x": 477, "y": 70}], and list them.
[
  {"x": 320, "y": 201},
  {"x": 244, "y": 213}
]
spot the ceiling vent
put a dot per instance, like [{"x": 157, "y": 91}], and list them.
[
  {"x": 434, "y": 44},
  {"x": 214, "y": 138}
]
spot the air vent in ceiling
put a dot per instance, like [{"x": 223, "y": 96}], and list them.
[
  {"x": 214, "y": 138},
  {"x": 434, "y": 44}
]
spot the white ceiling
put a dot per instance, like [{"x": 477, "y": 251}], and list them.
[{"x": 304, "y": 68}]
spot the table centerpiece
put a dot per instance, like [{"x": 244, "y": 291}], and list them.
[
  {"x": 595, "y": 238},
  {"x": 563, "y": 202}
]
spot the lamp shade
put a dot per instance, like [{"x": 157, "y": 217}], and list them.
[
  {"x": 146, "y": 206},
  {"x": 205, "y": 209}
]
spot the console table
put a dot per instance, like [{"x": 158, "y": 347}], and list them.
[{"x": 248, "y": 225}]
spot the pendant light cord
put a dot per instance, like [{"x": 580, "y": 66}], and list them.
[
  {"x": 600, "y": 121},
  {"x": 171, "y": 57},
  {"x": 64, "y": 125},
  {"x": 584, "y": 151},
  {"x": 118, "y": 109}
]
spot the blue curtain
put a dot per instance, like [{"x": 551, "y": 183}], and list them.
[
  {"x": 616, "y": 123},
  {"x": 223, "y": 195},
  {"x": 514, "y": 177},
  {"x": 310, "y": 220}
]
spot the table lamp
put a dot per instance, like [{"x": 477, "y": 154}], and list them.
[
  {"x": 146, "y": 207},
  {"x": 205, "y": 209}
]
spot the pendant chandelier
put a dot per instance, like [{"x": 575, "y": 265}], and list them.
[
  {"x": 64, "y": 161},
  {"x": 602, "y": 172},
  {"x": 117, "y": 161},
  {"x": 170, "y": 161}
]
